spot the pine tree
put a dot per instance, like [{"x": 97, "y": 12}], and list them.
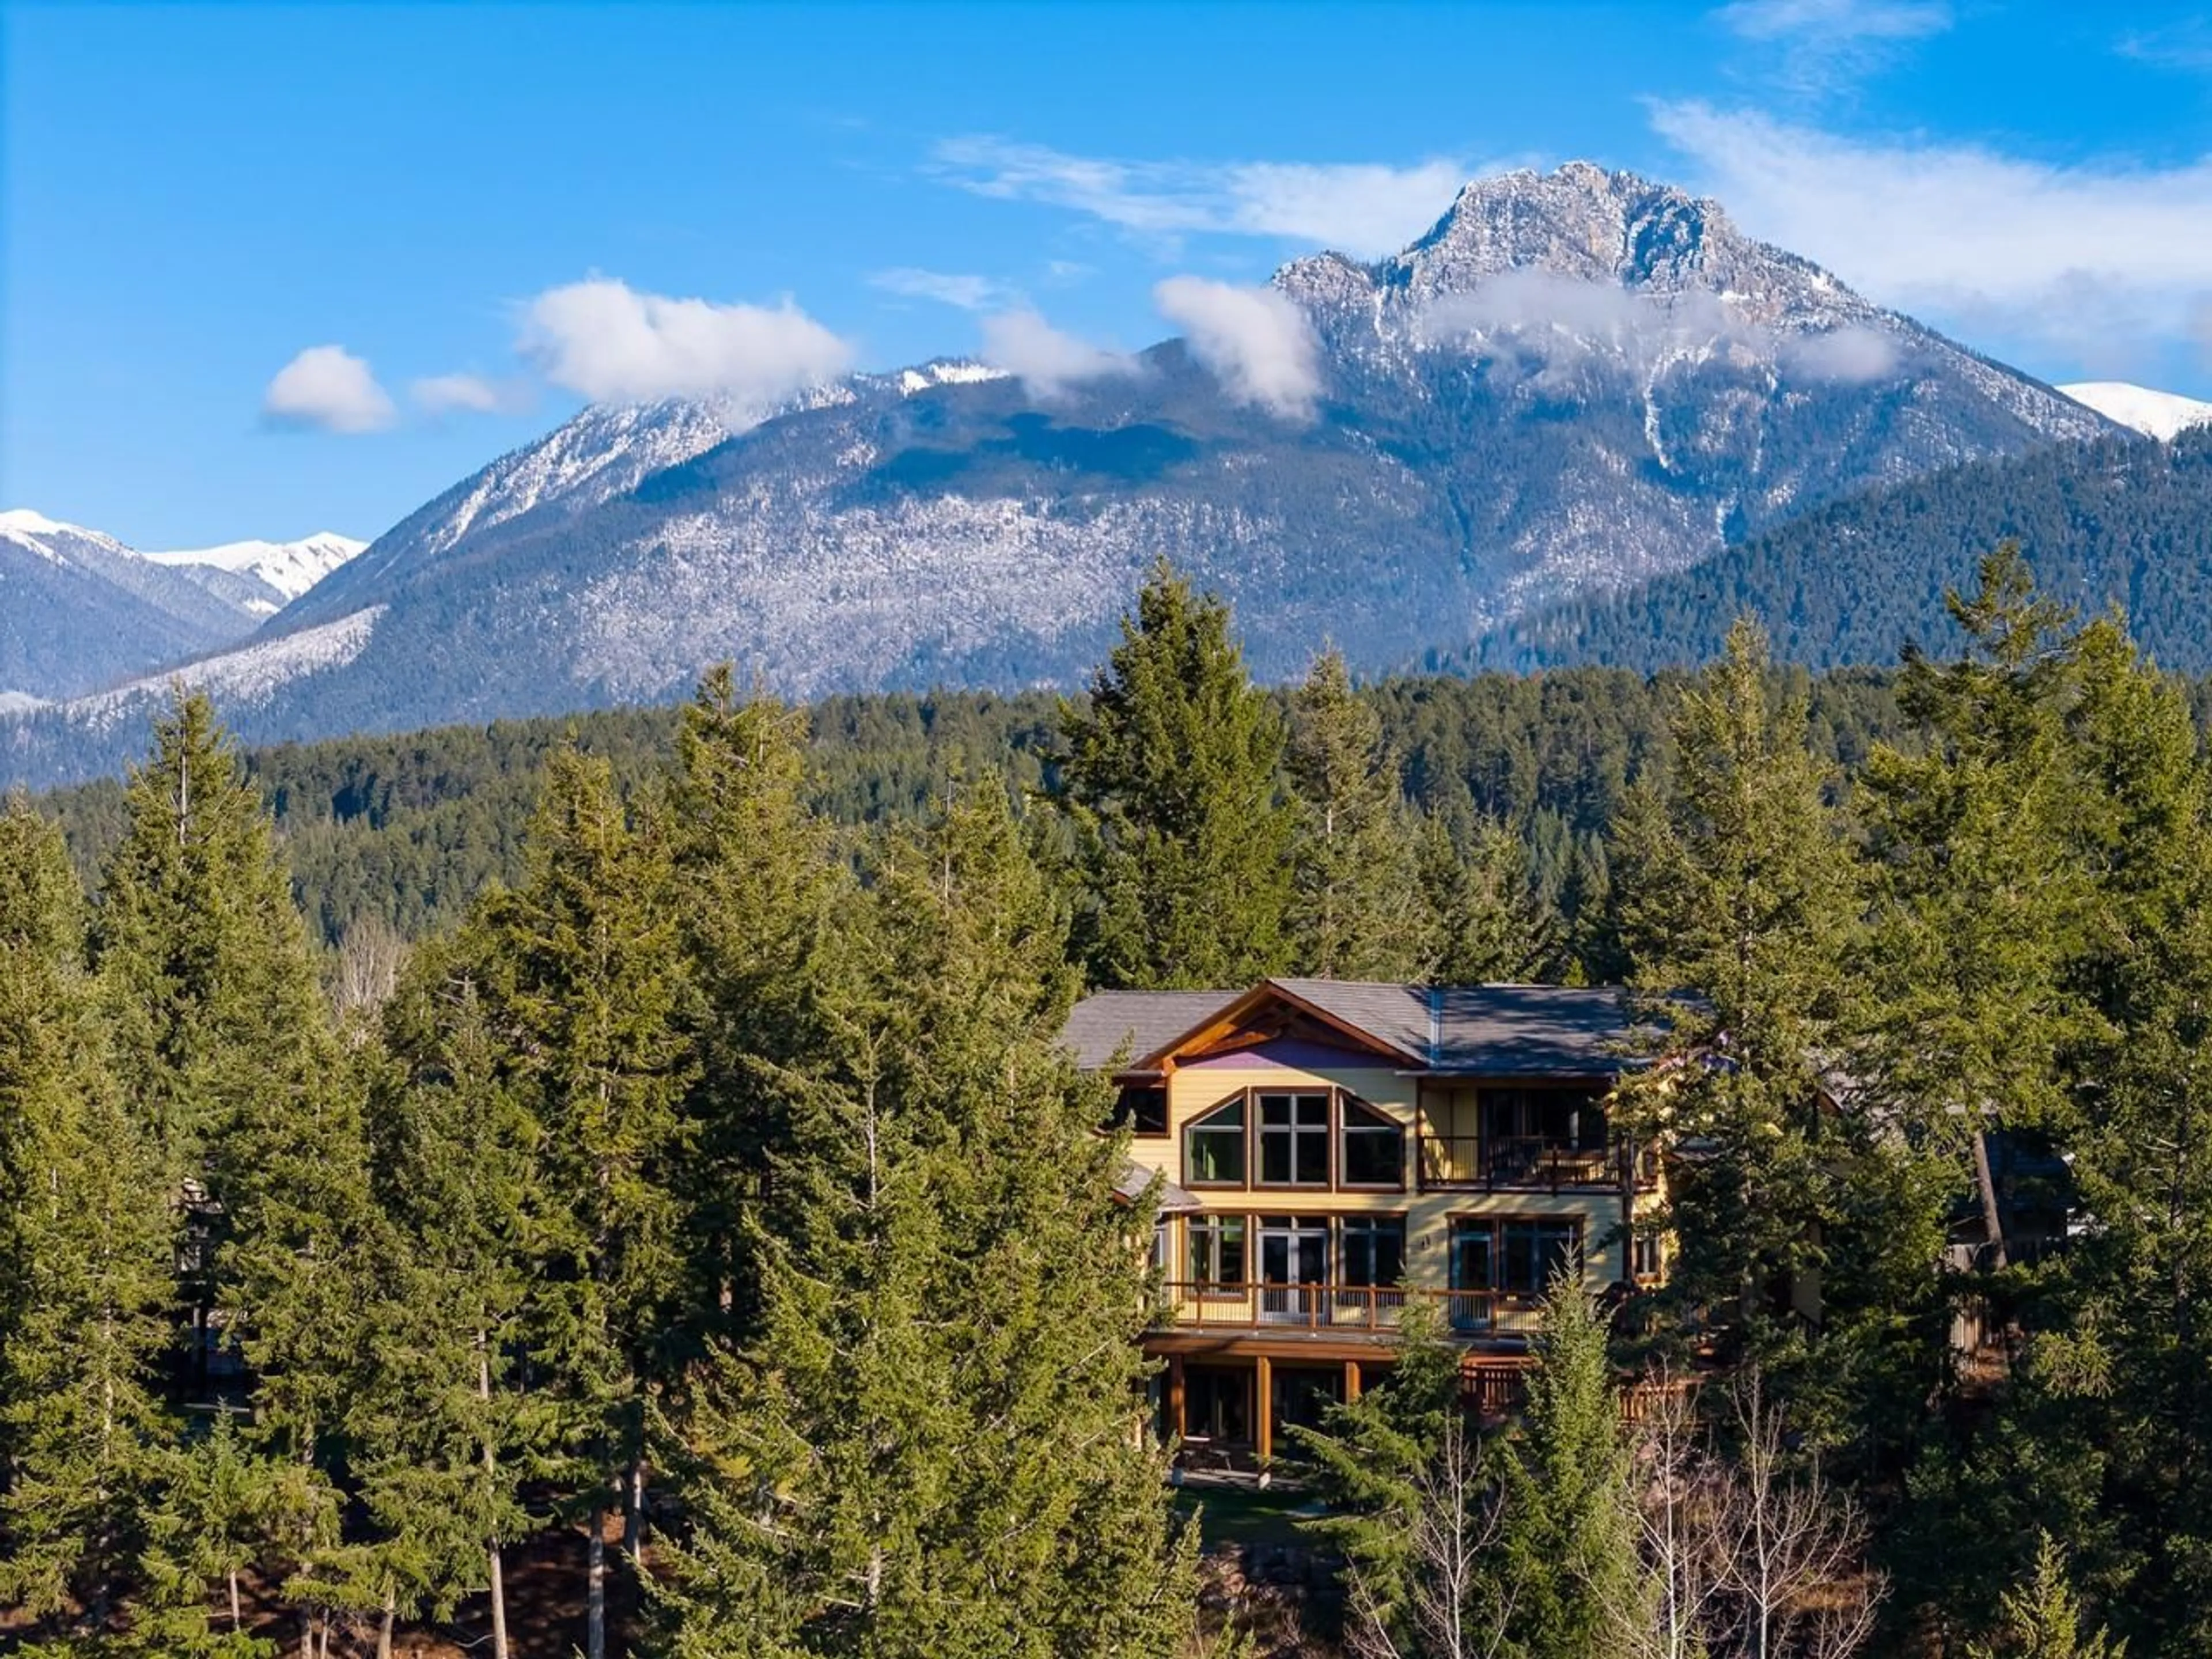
[
  {"x": 1380, "y": 1463},
  {"x": 1356, "y": 904},
  {"x": 932, "y": 1449},
  {"x": 584, "y": 985},
  {"x": 1738, "y": 904},
  {"x": 1168, "y": 779},
  {"x": 2042, "y": 1618},
  {"x": 759, "y": 884},
  {"x": 1570, "y": 1530},
  {"x": 205, "y": 971},
  {"x": 80, "y": 1415},
  {"x": 1484, "y": 923},
  {"x": 1980, "y": 900},
  {"x": 443, "y": 1436}
]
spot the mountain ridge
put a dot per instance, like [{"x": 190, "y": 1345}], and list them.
[{"x": 1573, "y": 383}]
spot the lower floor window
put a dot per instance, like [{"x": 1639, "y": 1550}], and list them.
[
  {"x": 1217, "y": 1249},
  {"x": 1374, "y": 1250}
]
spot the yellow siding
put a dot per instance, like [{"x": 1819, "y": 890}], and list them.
[{"x": 1195, "y": 1090}]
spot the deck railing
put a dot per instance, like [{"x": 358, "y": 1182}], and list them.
[
  {"x": 1514, "y": 1164},
  {"x": 1186, "y": 1303}
]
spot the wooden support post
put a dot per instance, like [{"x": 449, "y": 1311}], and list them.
[
  {"x": 1178, "y": 1425},
  {"x": 1350, "y": 1381},
  {"x": 1263, "y": 1415}
]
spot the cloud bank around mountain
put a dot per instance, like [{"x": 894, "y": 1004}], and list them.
[
  {"x": 1257, "y": 341},
  {"x": 1046, "y": 359},
  {"x": 326, "y": 388},
  {"x": 604, "y": 340},
  {"x": 2104, "y": 261}
]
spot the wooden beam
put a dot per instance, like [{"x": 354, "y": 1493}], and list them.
[
  {"x": 1263, "y": 1415},
  {"x": 1178, "y": 1424},
  {"x": 1350, "y": 1381}
]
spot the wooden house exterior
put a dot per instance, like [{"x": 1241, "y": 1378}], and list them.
[{"x": 1332, "y": 1150}]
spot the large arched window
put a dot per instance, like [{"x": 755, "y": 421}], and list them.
[
  {"x": 1213, "y": 1146},
  {"x": 1374, "y": 1148}
]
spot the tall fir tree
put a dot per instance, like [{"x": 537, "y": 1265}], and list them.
[
  {"x": 1168, "y": 778},
  {"x": 1739, "y": 903},
  {"x": 932, "y": 1449},
  {"x": 759, "y": 882},
  {"x": 445, "y": 1435},
  {"x": 1568, "y": 1545},
  {"x": 585, "y": 985},
  {"x": 81, "y": 1422},
  {"x": 1356, "y": 902},
  {"x": 1980, "y": 900},
  {"x": 1485, "y": 922}
]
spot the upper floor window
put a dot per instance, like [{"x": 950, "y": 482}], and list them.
[
  {"x": 1374, "y": 1148},
  {"x": 1142, "y": 1109},
  {"x": 1213, "y": 1146},
  {"x": 1294, "y": 1140}
]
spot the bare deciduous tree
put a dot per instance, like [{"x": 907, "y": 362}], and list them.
[
  {"x": 1455, "y": 1606},
  {"x": 1748, "y": 1557}
]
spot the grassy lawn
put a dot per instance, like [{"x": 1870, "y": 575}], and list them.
[{"x": 1244, "y": 1514}]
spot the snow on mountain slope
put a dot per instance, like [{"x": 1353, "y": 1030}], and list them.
[
  {"x": 79, "y": 609},
  {"x": 2155, "y": 414},
  {"x": 1575, "y": 382},
  {"x": 289, "y": 567}
]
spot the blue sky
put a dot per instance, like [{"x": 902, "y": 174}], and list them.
[{"x": 267, "y": 269}]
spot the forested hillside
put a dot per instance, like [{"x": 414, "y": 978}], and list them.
[
  {"x": 711, "y": 1218},
  {"x": 2125, "y": 522},
  {"x": 405, "y": 831}
]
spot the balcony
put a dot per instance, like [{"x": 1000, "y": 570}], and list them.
[
  {"x": 1337, "y": 1309},
  {"x": 1521, "y": 1163}
]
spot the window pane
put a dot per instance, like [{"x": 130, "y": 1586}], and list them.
[
  {"x": 1471, "y": 1256},
  {"x": 1144, "y": 1110},
  {"x": 1274, "y": 1155},
  {"x": 1374, "y": 1250},
  {"x": 1214, "y": 1145},
  {"x": 1274, "y": 1108}
]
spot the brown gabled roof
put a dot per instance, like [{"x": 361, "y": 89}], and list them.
[{"x": 1490, "y": 1030}]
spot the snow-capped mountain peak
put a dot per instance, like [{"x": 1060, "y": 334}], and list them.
[
  {"x": 290, "y": 567},
  {"x": 2161, "y": 415}
]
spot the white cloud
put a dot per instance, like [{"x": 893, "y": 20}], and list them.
[
  {"x": 1548, "y": 322},
  {"x": 2103, "y": 260},
  {"x": 446, "y": 394},
  {"x": 605, "y": 341},
  {"x": 967, "y": 291},
  {"x": 1363, "y": 209},
  {"x": 1852, "y": 20},
  {"x": 1255, "y": 341},
  {"x": 1823, "y": 46},
  {"x": 1851, "y": 355},
  {"x": 1046, "y": 361},
  {"x": 328, "y": 387}
]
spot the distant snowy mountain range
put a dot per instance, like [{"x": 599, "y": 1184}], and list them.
[
  {"x": 1575, "y": 383},
  {"x": 80, "y": 609},
  {"x": 2161, "y": 415}
]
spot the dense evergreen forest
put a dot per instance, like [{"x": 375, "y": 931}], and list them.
[
  {"x": 394, "y": 837},
  {"x": 2120, "y": 521},
  {"x": 684, "y": 1235}
]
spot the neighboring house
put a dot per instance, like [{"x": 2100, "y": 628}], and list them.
[{"x": 1330, "y": 1150}]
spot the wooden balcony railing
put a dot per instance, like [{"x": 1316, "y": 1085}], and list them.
[
  {"x": 1192, "y": 1303},
  {"x": 1517, "y": 1163}
]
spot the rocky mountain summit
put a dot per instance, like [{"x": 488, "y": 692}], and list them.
[{"x": 1575, "y": 381}]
